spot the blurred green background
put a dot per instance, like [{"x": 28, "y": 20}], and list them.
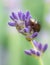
[{"x": 13, "y": 44}]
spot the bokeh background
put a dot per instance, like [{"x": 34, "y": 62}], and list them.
[{"x": 13, "y": 44}]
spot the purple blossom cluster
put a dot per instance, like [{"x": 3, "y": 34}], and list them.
[
  {"x": 22, "y": 23},
  {"x": 39, "y": 49}
]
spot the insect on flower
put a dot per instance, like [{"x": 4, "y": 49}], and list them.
[
  {"x": 35, "y": 25},
  {"x": 25, "y": 24},
  {"x": 30, "y": 28}
]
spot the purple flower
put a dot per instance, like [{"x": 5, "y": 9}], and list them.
[
  {"x": 38, "y": 50},
  {"x": 30, "y": 28},
  {"x": 34, "y": 34},
  {"x": 32, "y": 52},
  {"x": 28, "y": 52},
  {"x": 22, "y": 23},
  {"x": 38, "y": 53},
  {"x": 11, "y": 23},
  {"x": 14, "y": 16},
  {"x": 40, "y": 47},
  {"x": 45, "y": 47},
  {"x": 30, "y": 37},
  {"x": 20, "y": 17}
]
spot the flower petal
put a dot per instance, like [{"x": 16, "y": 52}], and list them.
[
  {"x": 35, "y": 43},
  {"x": 27, "y": 14},
  {"x": 23, "y": 17},
  {"x": 34, "y": 34},
  {"x": 14, "y": 15},
  {"x": 32, "y": 51},
  {"x": 28, "y": 52},
  {"x": 45, "y": 47},
  {"x": 11, "y": 24},
  {"x": 12, "y": 18},
  {"x": 40, "y": 46},
  {"x": 26, "y": 30},
  {"x": 26, "y": 23},
  {"x": 38, "y": 53},
  {"x": 20, "y": 15}
]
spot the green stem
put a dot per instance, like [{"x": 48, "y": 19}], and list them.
[
  {"x": 40, "y": 61},
  {"x": 32, "y": 45}
]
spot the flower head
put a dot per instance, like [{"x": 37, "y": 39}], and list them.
[
  {"x": 40, "y": 47},
  {"x": 23, "y": 24},
  {"x": 32, "y": 52},
  {"x": 38, "y": 50},
  {"x": 30, "y": 28}
]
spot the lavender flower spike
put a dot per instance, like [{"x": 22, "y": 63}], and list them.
[
  {"x": 33, "y": 52},
  {"x": 23, "y": 24},
  {"x": 40, "y": 47}
]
